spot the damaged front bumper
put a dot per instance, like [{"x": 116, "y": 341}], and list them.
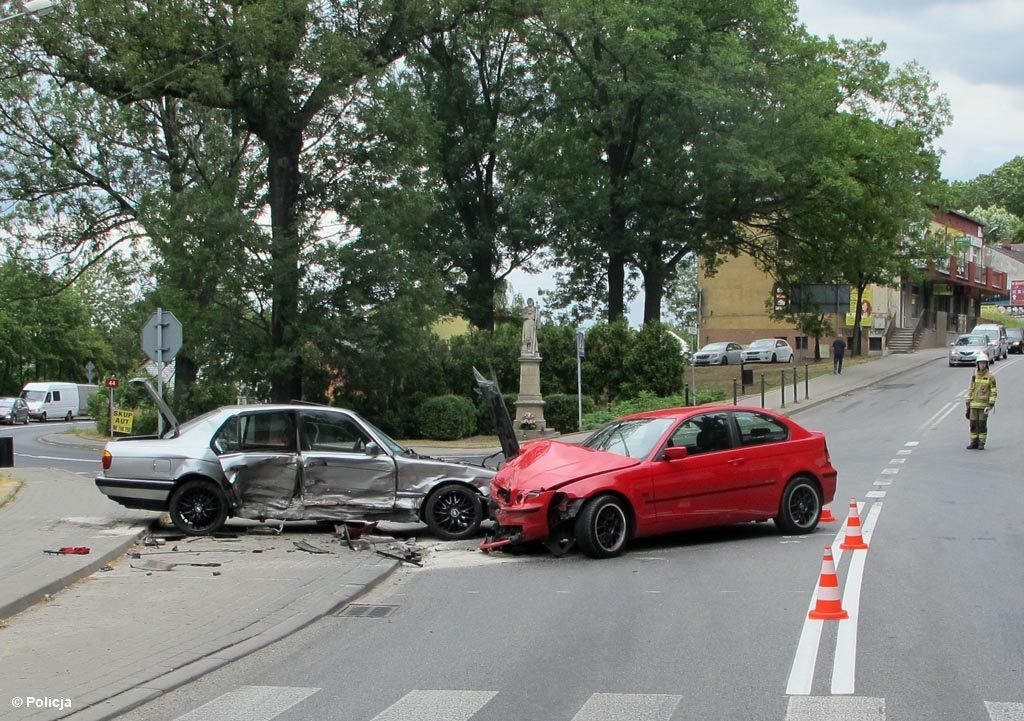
[{"x": 545, "y": 516}]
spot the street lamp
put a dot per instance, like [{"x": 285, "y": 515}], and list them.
[{"x": 32, "y": 7}]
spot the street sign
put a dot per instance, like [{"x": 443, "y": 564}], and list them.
[
  {"x": 122, "y": 421},
  {"x": 581, "y": 351},
  {"x": 962, "y": 241},
  {"x": 90, "y": 371},
  {"x": 110, "y": 383},
  {"x": 161, "y": 332}
]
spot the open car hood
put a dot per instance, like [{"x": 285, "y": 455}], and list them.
[
  {"x": 502, "y": 423},
  {"x": 162, "y": 407},
  {"x": 547, "y": 464}
]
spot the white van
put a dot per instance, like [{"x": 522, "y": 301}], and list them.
[
  {"x": 996, "y": 333},
  {"x": 57, "y": 400}
]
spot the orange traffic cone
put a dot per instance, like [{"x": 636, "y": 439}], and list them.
[
  {"x": 853, "y": 540},
  {"x": 826, "y": 515},
  {"x": 829, "y": 606}
]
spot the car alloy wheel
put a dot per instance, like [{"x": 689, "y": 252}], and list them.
[
  {"x": 453, "y": 512},
  {"x": 602, "y": 527},
  {"x": 800, "y": 507},
  {"x": 198, "y": 507}
]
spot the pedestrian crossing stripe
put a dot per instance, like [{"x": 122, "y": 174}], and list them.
[{"x": 264, "y": 703}]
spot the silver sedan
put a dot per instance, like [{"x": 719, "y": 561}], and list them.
[
  {"x": 714, "y": 354},
  {"x": 965, "y": 349},
  {"x": 289, "y": 462}
]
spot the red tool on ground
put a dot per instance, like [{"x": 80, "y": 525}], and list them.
[{"x": 70, "y": 551}]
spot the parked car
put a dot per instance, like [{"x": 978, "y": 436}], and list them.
[
  {"x": 289, "y": 462},
  {"x": 1015, "y": 340},
  {"x": 997, "y": 334},
  {"x": 768, "y": 350},
  {"x": 13, "y": 410},
  {"x": 661, "y": 472},
  {"x": 965, "y": 349},
  {"x": 714, "y": 354}
]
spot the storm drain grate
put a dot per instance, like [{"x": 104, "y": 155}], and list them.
[{"x": 366, "y": 610}]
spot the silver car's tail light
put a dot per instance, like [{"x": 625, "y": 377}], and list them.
[{"x": 107, "y": 458}]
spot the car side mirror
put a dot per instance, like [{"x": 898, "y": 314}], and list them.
[
  {"x": 372, "y": 449},
  {"x": 675, "y": 453}
]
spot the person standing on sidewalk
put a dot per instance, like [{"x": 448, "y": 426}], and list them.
[
  {"x": 981, "y": 399},
  {"x": 838, "y": 350}
]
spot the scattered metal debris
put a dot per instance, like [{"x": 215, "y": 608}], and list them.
[
  {"x": 69, "y": 551},
  {"x": 156, "y": 565},
  {"x": 309, "y": 547}
]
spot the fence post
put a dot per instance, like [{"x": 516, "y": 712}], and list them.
[
  {"x": 782, "y": 387},
  {"x": 734, "y": 399},
  {"x": 796, "y": 398},
  {"x": 807, "y": 384},
  {"x": 762, "y": 390},
  {"x": 686, "y": 394}
]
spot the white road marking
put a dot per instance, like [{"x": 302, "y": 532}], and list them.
[
  {"x": 904, "y": 452},
  {"x": 883, "y": 483},
  {"x": 250, "y": 703},
  {"x": 935, "y": 415},
  {"x": 58, "y": 458},
  {"x": 436, "y": 706},
  {"x": 998, "y": 711},
  {"x": 945, "y": 415},
  {"x": 628, "y": 707},
  {"x": 910, "y": 444},
  {"x": 875, "y": 494},
  {"x": 898, "y": 460},
  {"x": 845, "y": 663},
  {"x": 890, "y": 471},
  {"x": 835, "y": 708}
]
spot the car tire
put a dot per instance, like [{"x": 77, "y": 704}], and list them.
[
  {"x": 13, "y": 419},
  {"x": 69, "y": 417},
  {"x": 602, "y": 527},
  {"x": 800, "y": 506},
  {"x": 725, "y": 361},
  {"x": 775, "y": 358},
  {"x": 26, "y": 420},
  {"x": 453, "y": 512},
  {"x": 42, "y": 418},
  {"x": 198, "y": 507}
]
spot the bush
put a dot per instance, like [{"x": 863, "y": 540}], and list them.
[
  {"x": 446, "y": 418},
  {"x": 644, "y": 402},
  {"x": 561, "y": 411}
]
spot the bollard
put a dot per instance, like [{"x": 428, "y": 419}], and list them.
[
  {"x": 807, "y": 384},
  {"x": 762, "y": 390},
  {"x": 686, "y": 394},
  {"x": 7, "y": 452},
  {"x": 782, "y": 387},
  {"x": 734, "y": 399},
  {"x": 795, "y": 391}
]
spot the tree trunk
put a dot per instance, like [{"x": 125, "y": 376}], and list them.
[
  {"x": 616, "y": 286},
  {"x": 284, "y": 178},
  {"x": 654, "y": 285},
  {"x": 478, "y": 297}
]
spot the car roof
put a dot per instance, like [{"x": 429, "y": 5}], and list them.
[{"x": 686, "y": 411}]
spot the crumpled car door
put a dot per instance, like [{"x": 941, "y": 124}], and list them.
[
  {"x": 342, "y": 467},
  {"x": 265, "y": 483}
]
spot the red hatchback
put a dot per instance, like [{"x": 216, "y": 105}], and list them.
[{"x": 660, "y": 472}]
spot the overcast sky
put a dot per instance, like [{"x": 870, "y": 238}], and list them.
[{"x": 972, "y": 48}]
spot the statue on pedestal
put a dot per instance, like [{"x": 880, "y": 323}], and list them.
[{"x": 531, "y": 316}]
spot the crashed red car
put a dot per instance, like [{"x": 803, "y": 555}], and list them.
[{"x": 661, "y": 472}]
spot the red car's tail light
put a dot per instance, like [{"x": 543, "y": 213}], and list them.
[{"x": 107, "y": 458}]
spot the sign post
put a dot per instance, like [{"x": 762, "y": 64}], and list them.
[
  {"x": 580, "y": 353},
  {"x": 111, "y": 384},
  {"x": 161, "y": 341}
]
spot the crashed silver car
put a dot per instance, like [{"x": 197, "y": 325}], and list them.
[{"x": 289, "y": 462}]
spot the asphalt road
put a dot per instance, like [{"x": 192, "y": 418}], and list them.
[
  {"x": 709, "y": 625},
  {"x": 30, "y": 451}
]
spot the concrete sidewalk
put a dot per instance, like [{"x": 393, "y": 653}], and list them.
[{"x": 120, "y": 636}]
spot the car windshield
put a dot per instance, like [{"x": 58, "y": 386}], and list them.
[
  {"x": 6, "y": 402},
  {"x": 972, "y": 340},
  {"x": 33, "y": 395},
  {"x": 763, "y": 343},
  {"x": 1015, "y": 333},
  {"x": 634, "y": 438},
  {"x": 389, "y": 443},
  {"x": 714, "y": 347}
]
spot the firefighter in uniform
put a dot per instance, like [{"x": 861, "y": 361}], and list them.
[{"x": 981, "y": 399}]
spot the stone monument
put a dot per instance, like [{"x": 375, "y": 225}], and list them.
[{"x": 529, "y": 422}]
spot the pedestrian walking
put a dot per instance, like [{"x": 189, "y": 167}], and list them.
[
  {"x": 838, "y": 351},
  {"x": 981, "y": 399}
]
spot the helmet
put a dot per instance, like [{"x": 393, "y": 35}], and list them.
[{"x": 982, "y": 357}]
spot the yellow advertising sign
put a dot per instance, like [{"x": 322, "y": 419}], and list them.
[
  {"x": 866, "y": 308},
  {"x": 123, "y": 421}
]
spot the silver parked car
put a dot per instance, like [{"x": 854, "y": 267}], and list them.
[
  {"x": 13, "y": 410},
  {"x": 289, "y": 462},
  {"x": 714, "y": 354},
  {"x": 768, "y": 350},
  {"x": 965, "y": 349}
]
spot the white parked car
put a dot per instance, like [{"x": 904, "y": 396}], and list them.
[
  {"x": 768, "y": 350},
  {"x": 715, "y": 354}
]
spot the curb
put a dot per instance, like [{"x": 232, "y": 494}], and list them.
[
  {"x": 8, "y": 497},
  {"x": 34, "y": 596},
  {"x": 323, "y": 604},
  {"x": 80, "y": 443}
]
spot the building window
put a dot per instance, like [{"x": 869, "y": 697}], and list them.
[{"x": 801, "y": 342}]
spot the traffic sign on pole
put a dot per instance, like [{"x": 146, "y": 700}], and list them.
[{"x": 162, "y": 332}]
